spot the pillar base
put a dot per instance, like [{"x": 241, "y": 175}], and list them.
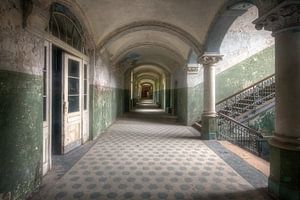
[
  {"x": 209, "y": 128},
  {"x": 284, "y": 180}
]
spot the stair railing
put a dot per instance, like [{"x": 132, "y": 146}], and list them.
[
  {"x": 237, "y": 133},
  {"x": 251, "y": 97}
]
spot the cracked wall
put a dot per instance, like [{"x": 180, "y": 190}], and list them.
[{"x": 21, "y": 58}]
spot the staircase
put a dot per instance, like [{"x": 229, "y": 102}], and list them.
[
  {"x": 239, "y": 108},
  {"x": 249, "y": 102}
]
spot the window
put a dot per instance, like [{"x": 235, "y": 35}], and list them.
[
  {"x": 64, "y": 25},
  {"x": 85, "y": 89},
  {"x": 73, "y": 85}
]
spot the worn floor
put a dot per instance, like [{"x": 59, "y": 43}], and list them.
[{"x": 147, "y": 155}]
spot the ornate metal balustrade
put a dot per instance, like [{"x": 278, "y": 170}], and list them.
[
  {"x": 248, "y": 99},
  {"x": 233, "y": 131}
]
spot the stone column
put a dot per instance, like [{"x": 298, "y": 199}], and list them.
[
  {"x": 284, "y": 22},
  {"x": 208, "y": 130}
]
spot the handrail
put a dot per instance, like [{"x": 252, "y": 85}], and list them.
[
  {"x": 242, "y": 125},
  {"x": 233, "y": 131},
  {"x": 243, "y": 90}
]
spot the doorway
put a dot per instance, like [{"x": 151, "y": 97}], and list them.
[
  {"x": 147, "y": 91},
  {"x": 70, "y": 118}
]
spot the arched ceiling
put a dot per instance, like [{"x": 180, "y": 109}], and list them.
[
  {"x": 149, "y": 69},
  {"x": 192, "y": 16},
  {"x": 162, "y": 32},
  {"x": 158, "y": 55},
  {"x": 148, "y": 38}
]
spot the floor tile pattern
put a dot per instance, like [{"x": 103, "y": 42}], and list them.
[{"x": 151, "y": 161}]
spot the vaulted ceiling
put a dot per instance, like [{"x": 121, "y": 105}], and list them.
[{"x": 161, "y": 32}]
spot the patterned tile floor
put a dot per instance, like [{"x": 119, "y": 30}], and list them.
[{"x": 151, "y": 160}]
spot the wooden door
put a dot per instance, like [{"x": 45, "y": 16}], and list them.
[{"x": 72, "y": 109}]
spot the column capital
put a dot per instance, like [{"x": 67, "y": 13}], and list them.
[
  {"x": 209, "y": 59},
  {"x": 283, "y": 17}
]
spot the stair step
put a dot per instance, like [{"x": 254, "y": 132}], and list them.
[{"x": 249, "y": 99}]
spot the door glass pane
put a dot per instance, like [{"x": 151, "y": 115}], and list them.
[
  {"x": 73, "y": 86},
  {"x": 85, "y": 89},
  {"x": 73, "y": 68},
  {"x": 73, "y": 104}
]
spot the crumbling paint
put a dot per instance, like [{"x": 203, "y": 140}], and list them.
[
  {"x": 246, "y": 73},
  {"x": 21, "y": 133},
  {"x": 264, "y": 122},
  {"x": 107, "y": 104},
  {"x": 233, "y": 80}
]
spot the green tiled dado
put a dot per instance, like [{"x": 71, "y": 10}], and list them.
[{"x": 20, "y": 132}]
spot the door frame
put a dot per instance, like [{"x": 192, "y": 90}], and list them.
[
  {"x": 51, "y": 40},
  {"x": 85, "y": 113},
  {"x": 48, "y": 124}
]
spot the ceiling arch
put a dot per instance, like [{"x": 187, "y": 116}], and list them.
[
  {"x": 155, "y": 45},
  {"x": 145, "y": 77},
  {"x": 147, "y": 73},
  {"x": 162, "y": 27},
  {"x": 222, "y": 22},
  {"x": 149, "y": 68}
]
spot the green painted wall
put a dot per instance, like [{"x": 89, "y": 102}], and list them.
[
  {"x": 232, "y": 80},
  {"x": 246, "y": 73},
  {"x": 20, "y": 133},
  {"x": 264, "y": 122},
  {"x": 182, "y": 112},
  {"x": 195, "y": 103},
  {"x": 106, "y": 105}
]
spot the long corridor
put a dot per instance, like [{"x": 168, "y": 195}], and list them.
[{"x": 150, "y": 156}]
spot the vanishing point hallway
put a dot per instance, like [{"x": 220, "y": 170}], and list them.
[{"x": 149, "y": 156}]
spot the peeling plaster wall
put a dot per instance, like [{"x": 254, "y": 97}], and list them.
[
  {"x": 106, "y": 95},
  {"x": 21, "y": 86},
  {"x": 180, "y": 95},
  {"x": 232, "y": 80},
  {"x": 21, "y": 58},
  {"x": 243, "y": 41},
  {"x": 246, "y": 73},
  {"x": 264, "y": 122},
  {"x": 248, "y": 58}
]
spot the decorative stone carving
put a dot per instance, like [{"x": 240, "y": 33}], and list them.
[
  {"x": 209, "y": 59},
  {"x": 284, "y": 16},
  {"x": 192, "y": 68}
]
